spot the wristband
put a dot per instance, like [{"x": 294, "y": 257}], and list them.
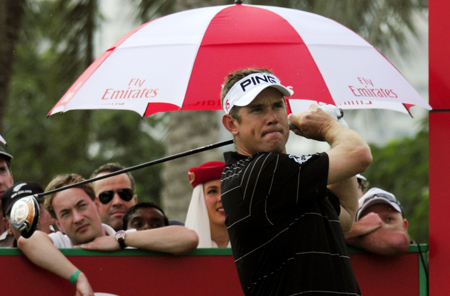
[{"x": 74, "y": 277}]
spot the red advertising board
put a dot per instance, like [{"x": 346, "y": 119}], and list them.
[{"x": 203, "y": 272}]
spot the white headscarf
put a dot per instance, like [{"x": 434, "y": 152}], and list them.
[{"x": 197, "y": 219}]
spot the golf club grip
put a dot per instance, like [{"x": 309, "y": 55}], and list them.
[
  {"x": 341, "y": 115},
  {"x": 292, "y": 126}
]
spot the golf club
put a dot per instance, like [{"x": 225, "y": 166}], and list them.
[{"x": 25, "y": 211}]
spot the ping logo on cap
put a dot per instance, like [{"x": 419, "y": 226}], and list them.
[
  {"x": 256, "y": 79},
  {"x": 245, "y": 90}
]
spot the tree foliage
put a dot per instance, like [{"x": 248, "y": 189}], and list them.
[
  {"x": 51, "y": 54},
  {"x": 11, "y": 16}
]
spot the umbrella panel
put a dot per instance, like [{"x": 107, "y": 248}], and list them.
[
  {"x": 179, "y": 62},
  {"x": 239, "y": 38}
]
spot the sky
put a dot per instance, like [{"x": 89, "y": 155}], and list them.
[{"x": 378, "y": 127}]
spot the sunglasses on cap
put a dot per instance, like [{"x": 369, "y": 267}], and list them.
[
  {"x": 388, "y": 197},
  {"x": 125, "y": 194}
]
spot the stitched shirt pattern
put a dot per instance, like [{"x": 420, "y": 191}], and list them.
[{"x": 284, "y": 226}]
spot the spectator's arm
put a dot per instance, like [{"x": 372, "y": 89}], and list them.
[
  {"x": 385, "y": 240},
  {"x": 176, "y": 240},
  {"x": 40, "y": 249},
  {"x": 367, "y": 224}
]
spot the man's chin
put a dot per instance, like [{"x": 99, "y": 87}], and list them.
[
  {"x": 116, "y": 224},
  {"x": 276, "y": 147},
  {"x": 276, "y": 143},
  {"x": 82, "y": 239}
]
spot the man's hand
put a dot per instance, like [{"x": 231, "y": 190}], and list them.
[
  {"x": 375, "y": 236},
  {"x": 364, "y": 226},
  {"x": 83, "y": 286},
  {"x": 313, "y": 124},
  {"x": 103, "y": 243}
]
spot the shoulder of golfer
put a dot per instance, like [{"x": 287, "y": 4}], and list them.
[{"x": 349, "y": 154}]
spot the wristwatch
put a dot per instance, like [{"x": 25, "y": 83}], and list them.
[{"x": 120, "y": 238}]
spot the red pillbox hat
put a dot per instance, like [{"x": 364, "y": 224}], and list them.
[{"x": 206, "y": 172}]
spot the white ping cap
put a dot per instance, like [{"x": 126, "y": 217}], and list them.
[
  {"x": 376, "y": 196},
  {"x": 245, "y": 90}
]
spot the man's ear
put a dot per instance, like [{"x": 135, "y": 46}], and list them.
[
  {"x": 98, "y": 205},
  {"x": 405, "y": 224},
  {"x": 7, "y": 226},
  {"x": 230, "y": 124},
  {"x": 59, "y": 226}
]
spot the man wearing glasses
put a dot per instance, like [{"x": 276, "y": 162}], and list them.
[
  {"x": 380, "y": 226},
  {"x": 116, "y": 194}
]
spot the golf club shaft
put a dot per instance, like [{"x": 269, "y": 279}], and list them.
[{"x": 143, "y": 165}]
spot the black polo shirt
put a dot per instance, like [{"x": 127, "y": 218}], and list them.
[{"x": 284, "y": 226}]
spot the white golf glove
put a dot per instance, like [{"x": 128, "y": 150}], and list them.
[{"x": 334, "y": 111}]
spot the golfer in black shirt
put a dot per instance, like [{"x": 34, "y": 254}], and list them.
[{"x": 286, "y": 214}]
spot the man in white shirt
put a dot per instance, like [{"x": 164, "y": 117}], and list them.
[{"x": 77, "y": 215}]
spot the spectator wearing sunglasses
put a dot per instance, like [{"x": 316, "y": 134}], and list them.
[
  {"x": 144, "y": 215},
  {"x": 380, "y": 226},
  {"x": 77, "y": 215},
  {"x": 116, "y": 194}
]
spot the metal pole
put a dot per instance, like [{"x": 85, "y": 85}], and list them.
[{"x": 143, "y": 165}]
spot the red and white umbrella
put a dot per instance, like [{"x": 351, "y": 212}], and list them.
[
  {"x": 179, "y": 62},
  {"x": 2, "y": 140}
]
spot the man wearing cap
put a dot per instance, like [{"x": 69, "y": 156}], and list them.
[
  {"x": 15, "y": 193},
  {"x": 380, "y": 226},
  {"x": 285, "y": 226},
  {"x": 6, "y": 181}
]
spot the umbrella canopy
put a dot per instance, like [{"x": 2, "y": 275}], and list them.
[
  {"x": 2, "y": 140},
  {"x": 179, "y": 62}
]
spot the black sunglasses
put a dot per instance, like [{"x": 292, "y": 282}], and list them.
[
  {"x": 125, "y": 194},
  {"x": 388, "y": 197}
]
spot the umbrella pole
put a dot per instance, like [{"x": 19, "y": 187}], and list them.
[{"x": 143, "y": 165}]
